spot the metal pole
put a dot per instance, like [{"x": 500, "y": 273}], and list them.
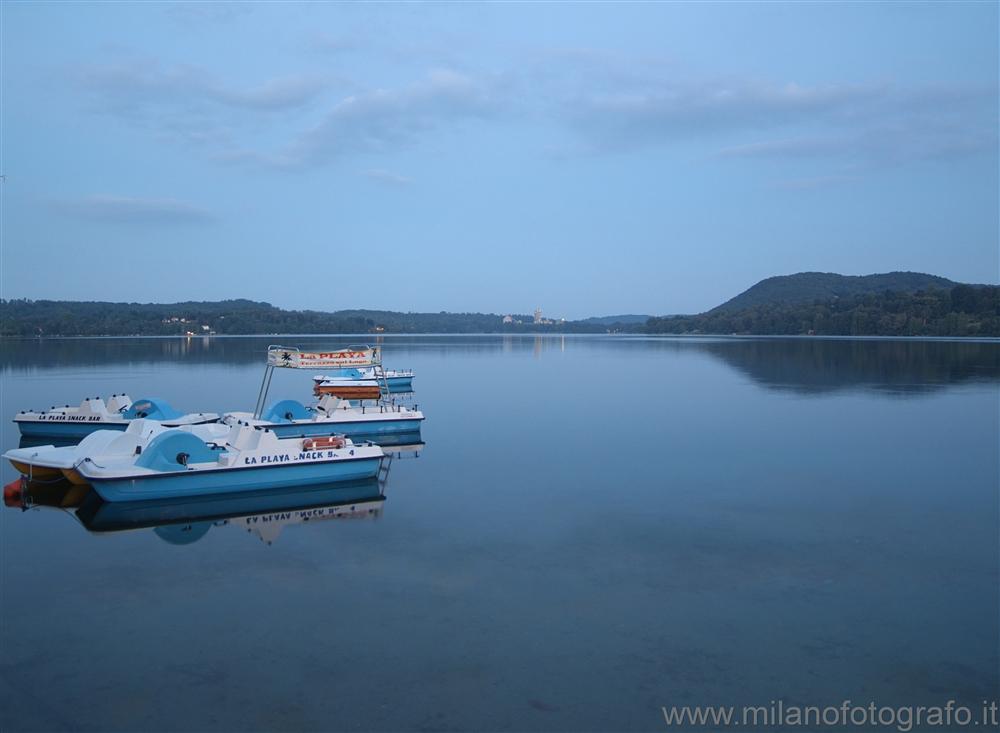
[{"x": 265, "y": 385}]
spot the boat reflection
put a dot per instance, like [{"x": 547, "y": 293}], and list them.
[
  {"x": 60, "y": 494},
  {"x": 264, "y": 514},
  {"x": 183, "y": 521}
]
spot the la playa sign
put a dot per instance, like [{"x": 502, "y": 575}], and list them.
[{"x": 295, "y": 359}]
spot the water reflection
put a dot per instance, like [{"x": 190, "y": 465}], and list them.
[
  {"x": 264, "y": 515},
  {"x": 811, "y": 366},
  {"x": 805, "y": 365},
  {"x": 183, "y": 521}
]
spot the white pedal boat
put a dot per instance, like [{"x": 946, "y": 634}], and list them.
[
  {"x": 332, "y": 416},
  {"x": 179, "y": 463},
  {"x": 48, "y": 462},
  {"x": 397, "y": 380},
  {"x": 94, "y": 414}
]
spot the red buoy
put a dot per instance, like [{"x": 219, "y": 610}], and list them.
[{"x": 13, "y": 495}]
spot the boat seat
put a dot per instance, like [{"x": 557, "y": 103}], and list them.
[
  {"x": 328, "y": 403},
  {"x": 268, "y": 441},
  {"x": 118, "y": 402},
  {"x": 93, "y": 406},
  {"x": 139, "y": 433},
  {"x": 246, "y": 438},
  {"x": 151, "y": 408}
]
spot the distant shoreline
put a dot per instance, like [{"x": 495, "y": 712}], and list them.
[
  {"x": 896, "y": 304},
  {"x": 367, "y": 338}
]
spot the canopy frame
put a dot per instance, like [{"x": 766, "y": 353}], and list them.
[{"x": 292, "y": 357}]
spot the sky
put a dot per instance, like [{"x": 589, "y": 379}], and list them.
[{"x": 584, "y": 158}]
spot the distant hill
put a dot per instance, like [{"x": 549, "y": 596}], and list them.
[
  {"x": 808, "y": 287},
  {"x": 628, "y": 318},
  {"x": 818, "y": 303}
]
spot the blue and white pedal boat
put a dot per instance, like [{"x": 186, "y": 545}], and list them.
[
  {"x": 96, "y": 414},
  {"x": 178, "y": 463},
  {"x": 398, "y": 380},
  {"x": 49, "y": 462},
  {"x": 332, "y": 416}
]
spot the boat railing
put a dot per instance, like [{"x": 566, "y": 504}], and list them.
[{"x": 383, "y": 407}]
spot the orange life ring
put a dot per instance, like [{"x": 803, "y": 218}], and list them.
[{"x": 332, "y": 441}]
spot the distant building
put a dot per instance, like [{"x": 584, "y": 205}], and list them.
[
  {"x": 538, "y": 315},
  {"x": 508, "y": 319}
]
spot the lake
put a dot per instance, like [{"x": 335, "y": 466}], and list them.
[{"x": 596, "y": 527}]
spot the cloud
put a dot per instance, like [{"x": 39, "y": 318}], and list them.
[
  {"x": 612, "y": 102},
  {"x": 328, "y": 43},
  {"x": 188, "y": 105},
  {"x": 380, "y": 120},
  {"x": 912, "y": 139},
  {"x": 130, "y": 210},
  {"x": 788, "y": 148},
  {"x": 813, "y": 183},
  {"x": 200, "y": 14},
  {"x": 878, "y": 121},
  {"x": 387, "y": 177},
  {"x": 146, "y": 85},
  {"x": 674, "y": 110}
]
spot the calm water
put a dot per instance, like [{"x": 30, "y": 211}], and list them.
[{"x": 595, "y": 528}]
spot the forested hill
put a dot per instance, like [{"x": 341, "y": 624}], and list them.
[
  {"x": 960, "y": 310},
  {"x": 809, "y": 287},
  {"x": 88, "y": 318}
]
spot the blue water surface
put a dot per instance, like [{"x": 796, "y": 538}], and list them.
[{"x": 596, "y": 527}]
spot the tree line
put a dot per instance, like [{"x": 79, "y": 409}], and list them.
[
  {"x": 964, "y": 310},
  {"x": 27, "y": 318}
]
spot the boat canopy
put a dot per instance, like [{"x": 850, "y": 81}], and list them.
[
  {"x": 289, "y": 357},
  {"x": 152, "y": 408}
]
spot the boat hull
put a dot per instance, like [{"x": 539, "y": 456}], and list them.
[
  {"x": 35, "y": 472},
  {"x": 65, "y": 429},
  {"x": 400, "y": 384},
  {"x": 257, "y": 478},
  {"x": 75, "y": 477},
  {"x": 76, "y": 429},
  {"x": 353, "y": 428},
  {"x": 348, "y": 392},
  {"x": 98, "y": 516}
]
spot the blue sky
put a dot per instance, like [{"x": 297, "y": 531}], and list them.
[{"x": 586, "y": 158}]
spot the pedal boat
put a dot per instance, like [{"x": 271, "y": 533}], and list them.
[
  {"x": 178, "y": 463},
  {"x": 332, "y": 416},
  {"x": 348, "y": 388},
  {"x": 50, "y": 462},
  {"x": 397, "y": 380},
  {"x": 94, "y": 414}
]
